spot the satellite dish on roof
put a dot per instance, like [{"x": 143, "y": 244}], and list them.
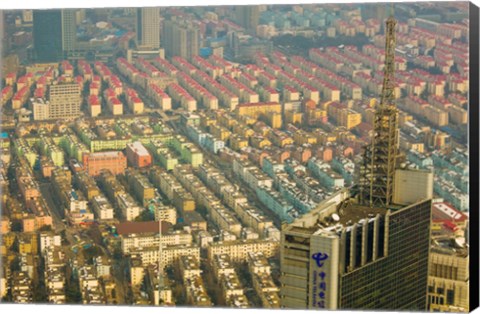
[{"x": 335, "y": 217}]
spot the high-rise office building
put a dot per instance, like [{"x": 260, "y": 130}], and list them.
[
  {"x": 47, "y": 35},
  {"x": 148, "y": 27},
  {"x": 369, "y": 250},
  {"x": 344, "y": 255},
  {"x": 69, "y": 29},
  {"x": 181, "y": 39},
  {"x": 54, "y": 33}
]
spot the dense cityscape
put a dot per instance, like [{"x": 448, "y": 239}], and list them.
[{"x": 271, "y": 156}]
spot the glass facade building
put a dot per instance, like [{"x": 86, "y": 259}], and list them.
[
  {"x": 398, "y": 279},
  {"x": 47, "y": 35},
  {"x": 346, "y": 256}
]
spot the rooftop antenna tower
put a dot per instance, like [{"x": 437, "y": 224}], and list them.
[{"x": 379, "y": 160}]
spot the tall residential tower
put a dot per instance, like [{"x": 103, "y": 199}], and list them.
[
  {"x": 148, "y": 27},
  {"x": 181, "y": 39},
  {"x": 248, "y": 16}
]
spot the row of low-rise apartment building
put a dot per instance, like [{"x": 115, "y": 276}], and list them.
[
  {"x": 156, "y": 93},
  {"x": 165, "y": 66},
  {"x": 35, "y": 214},
  {"x": 208, "y": 67},
  {"x": 54, "y": 270},
  {"x": 182, "y": 97},
  {"x": 202, "y": 95},
  {"x": 86, "y": 184},
  {"x": 150, "y": 255},
  {"x": 267, "y": 194},
  {"x": 325, "y": 174},
  {"x": 227, "y": 98},
  {"x": 113, "y": 102},
  {"x": 49, "y": 148},
  {"x": 302, "y": 71},
  {"x": 110, "y": 185},
  {"x": 140, "y": 186},
  {"x": 251, "y": 174},
  {"x": 263, "y": 284},
  {"x": 204, "y": 139},
  {"x": 227, "y": 279},
  {"x": 447, "y": 190},
  {"x": 328, "y": 74},
  {"x": 245, "y": 94},
  {"x": 234, "y": 199},
  {"x": 162, "y": 154},
  {"x": 436, "y": 116},
  {"x": 452, "y": 188},
  {"x": 155, "y": 290},
  {"x": 238, "y": 249},
  {"x": 5, "y": 273},
  {"x": 140, "y": 235},
  {"x": 90, "y": 287},
  {"x": 196, "y": 294},
  {"x": 300, "y": 200},
  {"x": 182, "y": 64},
  {"x": 73, "y": 147},
  {"x": 135, "y": 104},
  {"x": 21, "y": 287},
  {"x": 187, "y": 150},
  {"x": 23, "y": 149},
  {"x": 73, "y": 201},
  {"x": 289, "y": 78},
  {"x": 309, "y": 71},
  {"x": 129, "y": 208},
  {"x": 173, "y": 190},
  {"x": 220, "y": 215},
  {"x": 102, "y": 208},
  {"x": 7, "y": 93},
  {"x": 190, "y": 272}
]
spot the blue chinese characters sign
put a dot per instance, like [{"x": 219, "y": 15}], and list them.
[{"x": 319, "y": 288}]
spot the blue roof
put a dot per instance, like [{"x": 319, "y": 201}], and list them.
[
  {"x": 4, "y": 135},
  {"x": 205, "y": 52},
  {"x": 74, "y": 195}
]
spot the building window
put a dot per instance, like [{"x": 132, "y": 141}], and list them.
[
  {"x": 450, "y": 296},
  {"x": 440, "y": 290}
]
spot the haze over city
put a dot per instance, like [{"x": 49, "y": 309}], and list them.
[{"x": 307, "y": 156}]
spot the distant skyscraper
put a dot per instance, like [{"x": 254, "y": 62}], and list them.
[
  {"x": 148, "y": 27},
  {"x": 54, "y": 32},
  {"x": 248, "y": 16},
  {"x": 374, "y": 11},
  {"x": 47, "y": 35},
  {"x": 69, "y": 30},
  {"x": 181, "y": 39}
]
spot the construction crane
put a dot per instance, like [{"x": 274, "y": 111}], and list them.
[{"x": 376, "y": 184}]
